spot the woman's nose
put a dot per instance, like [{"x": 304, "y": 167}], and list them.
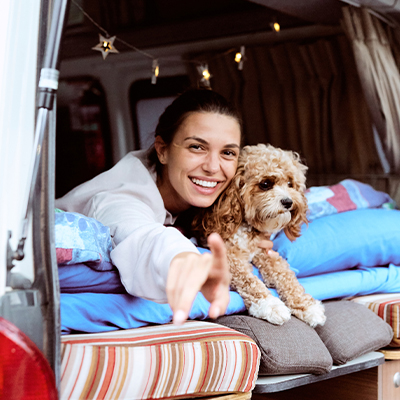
[{"x": 211, "y": 163}]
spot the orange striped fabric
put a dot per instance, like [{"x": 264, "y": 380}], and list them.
[
  {"x": 387, "y": 306},
  {"x": 163, "y": 361}
]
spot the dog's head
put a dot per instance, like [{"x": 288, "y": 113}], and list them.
[
  {"x": 267, "y": 192},
  {"x": 271, "y": 185}
]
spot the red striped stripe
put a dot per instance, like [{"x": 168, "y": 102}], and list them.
[
  {"x": 108, "y": 375},
  {"x": 244, "y": 374},
  {"x": 207, "y": 366},
  {"x": 157, "y": 375},
  {"x": 183, "y": 368},
  {"x": 254, "y": 367},
  {"x": 97, "y": 368},
  {"x": 174, "y": 339}
]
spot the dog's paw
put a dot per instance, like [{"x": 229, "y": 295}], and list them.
[
  {"x": 314, "y": 315},
  {"x": 272, "y": 309}
]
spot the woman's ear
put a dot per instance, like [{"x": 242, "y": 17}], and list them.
[{"x": 161, "y": 149}]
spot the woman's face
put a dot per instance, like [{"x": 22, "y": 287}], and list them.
[{"x": 200, "y": 162}]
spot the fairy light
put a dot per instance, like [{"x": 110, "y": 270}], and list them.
[
  {"x": 105, "y": 46},
  {"x": 205, "y": 74},
  {"x": 239, "y": 57},
  {"x": 275, "y": 26},
  {"x": 155, "y": 71}
]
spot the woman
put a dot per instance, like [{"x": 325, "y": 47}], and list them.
[{"x": 193, "y": 160}]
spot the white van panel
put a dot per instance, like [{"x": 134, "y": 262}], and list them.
[{"x": 19, "y": 28}]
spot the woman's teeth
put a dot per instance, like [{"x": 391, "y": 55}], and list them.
[{"x": 204, "y": 183}]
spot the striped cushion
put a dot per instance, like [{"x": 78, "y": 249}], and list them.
[
  {"x": 387, "y": 306},
  {"x": 197, "y": 358}
]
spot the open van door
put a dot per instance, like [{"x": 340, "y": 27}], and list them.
[{"x": 29, "y": 302}]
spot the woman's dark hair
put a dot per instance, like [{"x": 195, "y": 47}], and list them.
[{"x": 192, "y": 100}]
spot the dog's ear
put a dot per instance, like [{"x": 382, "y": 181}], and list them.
[
  {"x": 299, "y": 216},
  {"x": 225, "y": 215}
]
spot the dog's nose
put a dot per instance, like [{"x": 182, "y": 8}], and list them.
[{"x": 287, "y": 202}]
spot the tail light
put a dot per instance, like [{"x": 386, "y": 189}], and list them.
[{"x": 25, "y": 374}]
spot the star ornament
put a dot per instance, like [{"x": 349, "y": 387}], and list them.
[{"x": 106, "y": 46}]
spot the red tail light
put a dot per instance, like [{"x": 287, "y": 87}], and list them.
[{"x": 25, "y": 374}]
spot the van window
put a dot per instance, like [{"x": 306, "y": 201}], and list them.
[
  {"x": 148, "y": 102},
  {"x": 83, "y": 142}
]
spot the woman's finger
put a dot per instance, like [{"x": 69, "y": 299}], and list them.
[{"x": 187, "y": 274}]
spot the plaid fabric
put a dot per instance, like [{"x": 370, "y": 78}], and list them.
[
  {"x": 387, "y": 306},
  {"x": 161, "y": 361}
]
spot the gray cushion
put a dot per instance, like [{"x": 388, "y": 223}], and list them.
[
  {"x": 291, "y": 348},
  {"x": 352, "y": 330}
]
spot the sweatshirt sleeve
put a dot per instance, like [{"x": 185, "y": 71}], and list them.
[{"x": 144, "y": 247}]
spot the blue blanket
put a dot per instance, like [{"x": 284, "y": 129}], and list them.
[{"x": 101, "y": 312}]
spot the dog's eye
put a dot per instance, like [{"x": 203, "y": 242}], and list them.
[
  {"x": 290, "y": 184},
  {"x": 266, "y": 185}
]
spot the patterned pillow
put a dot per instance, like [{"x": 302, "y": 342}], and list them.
[
  {"x": 347, "y": 195},
  {"x": 80, "y": 239}
]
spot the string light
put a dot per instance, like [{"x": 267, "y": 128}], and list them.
[
  {"x": 275, "y": 26},
  {"x": 155, "y": 71},
  {"x": 205, "y": 75},
  {"x": 106, "y": 46},
  {"x": 239, "y": 57}
]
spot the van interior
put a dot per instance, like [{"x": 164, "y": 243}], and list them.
[
  {"x": 297, "y": 85},
  {"x": 306, "y": 76}
]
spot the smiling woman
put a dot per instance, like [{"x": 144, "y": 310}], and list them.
[
  {"x": 201, "y": 161},
  {"x": 193, "y": 160}
]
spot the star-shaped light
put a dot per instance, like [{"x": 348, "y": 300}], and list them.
[{"x": 106, "y": 46}]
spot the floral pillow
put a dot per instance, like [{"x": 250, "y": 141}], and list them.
[{"x": 80, "y": 239}]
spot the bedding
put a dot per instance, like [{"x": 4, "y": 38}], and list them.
[
  {"x": 100, "y": 312},
  {"x": 365, "y": 237},
  {"x": 347, "y": 195},
  {"x": 80, "y": 239},
  {"x": 340, "y": 254}
]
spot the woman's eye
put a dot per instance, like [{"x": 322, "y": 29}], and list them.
[
  {"x": 196, "y": 147},
  {"x": 230, "y": 153},
  {"x": 266, "y": 185}
]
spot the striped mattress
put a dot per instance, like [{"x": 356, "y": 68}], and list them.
[
  {"x": 163, "y": 361},
  {"x": 387, "y": 306}
]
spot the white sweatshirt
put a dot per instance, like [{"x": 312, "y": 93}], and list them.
[{"x": 126, "y": 199}]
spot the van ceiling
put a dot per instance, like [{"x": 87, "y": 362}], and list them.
[
  {"x": 156, "y": 23},
  {"x": 317, "y": 11}
]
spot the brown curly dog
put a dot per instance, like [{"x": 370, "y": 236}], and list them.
[{"x": 265, "y": 196}]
